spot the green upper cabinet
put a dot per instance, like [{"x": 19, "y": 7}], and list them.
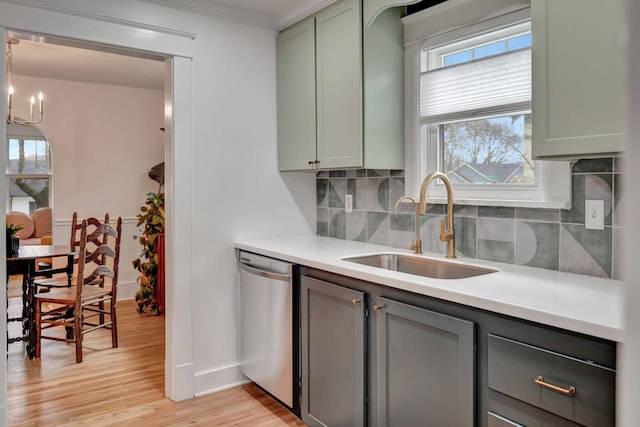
[
  {"x": 333, "y": 112},
  {"x": 576, "y": 78},
  {"x": 297, "y": 96}
]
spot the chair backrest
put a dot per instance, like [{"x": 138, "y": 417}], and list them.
[
  {"x": 98, "y": 255},
  {"x": 74, "y": 242}
]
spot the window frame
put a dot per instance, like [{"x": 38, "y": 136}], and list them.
[{"x": 553, "y": 178}]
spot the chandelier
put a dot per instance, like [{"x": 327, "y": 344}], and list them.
[{"x": 10, "y": 118}]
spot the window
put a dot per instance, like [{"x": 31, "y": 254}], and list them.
[
  {"x": 470, "y": 103},
  {"x": 29, "y": 170}
]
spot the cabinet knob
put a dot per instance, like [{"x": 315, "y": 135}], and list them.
[
  {"x": 378, "y": 307},
  {"x": 311, "y": 162},
  {"x": 355, "y": 301}
]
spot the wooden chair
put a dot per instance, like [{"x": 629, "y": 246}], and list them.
[
  {"x": 90, "y": 293},
  {"x": 61, "y": 281}
]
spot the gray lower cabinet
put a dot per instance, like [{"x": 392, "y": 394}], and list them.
[
  {"x": 382, "y": 357},
  {"x": 425, "y": 365},
  {"x": 333, "y": 354}
]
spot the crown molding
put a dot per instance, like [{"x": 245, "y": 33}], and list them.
[
  {"x": 207, "y": 8},
  {"x": 219, "y": 10},
  {"x": 214, "y": 9},
  {"x": 294, "y": 15},
  {"x": 82, "y": 13}
]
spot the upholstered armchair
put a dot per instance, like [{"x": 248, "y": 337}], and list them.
[{"x": 36, "y": 226}]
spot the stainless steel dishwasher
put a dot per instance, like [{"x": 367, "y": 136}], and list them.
[{"x": 269, "y": 326}]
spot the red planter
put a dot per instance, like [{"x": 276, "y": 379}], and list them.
[{"x": 158, "y": 290}]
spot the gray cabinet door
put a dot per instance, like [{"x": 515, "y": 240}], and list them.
[
  {"x": 333, "y": 354},
  {"x": 297, "y": 97},
  {"x": 425, "y": 367}
]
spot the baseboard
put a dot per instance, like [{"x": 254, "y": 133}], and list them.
[
  {"x": 183, "y": 383},
  {"x": 218, "y": 379},
  {"x": 127, "y": 290}
]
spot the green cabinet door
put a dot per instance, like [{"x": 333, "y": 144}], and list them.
[
  {"x": 339, "y": 85},
  {"x": 333, "y": 354},
  {"x": 297, "y": 97},
  {"x": 425, "y": 367},
  {"x": 576, "y": 78}
]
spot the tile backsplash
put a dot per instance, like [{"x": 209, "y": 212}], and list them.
[{"x": 554, "y": 239}]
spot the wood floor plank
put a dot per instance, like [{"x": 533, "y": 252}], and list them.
[{"x": 122, "y": 386}]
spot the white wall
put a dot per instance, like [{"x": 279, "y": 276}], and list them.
[
  {"x": 104, "y": 139},
  {"x": 237, "y": 190}
]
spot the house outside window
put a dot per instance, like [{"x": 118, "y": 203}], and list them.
[
  {"x": 469, "y": 109},
  {"x": 29, "y": 170}
]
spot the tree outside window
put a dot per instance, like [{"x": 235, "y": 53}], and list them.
[{"x": 493, "y": 150}]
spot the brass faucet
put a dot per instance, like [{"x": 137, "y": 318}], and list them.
[
  {"x": 450, "y": 235},
  {"x": 416, "y": 246}
]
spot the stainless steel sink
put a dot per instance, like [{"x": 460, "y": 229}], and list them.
[{"x": 420, "y": 266}]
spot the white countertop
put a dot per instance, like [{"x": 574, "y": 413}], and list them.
[{"x": 585, "y": 304}]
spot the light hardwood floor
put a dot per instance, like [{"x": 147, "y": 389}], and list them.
[{"x": 123, "y": 386}]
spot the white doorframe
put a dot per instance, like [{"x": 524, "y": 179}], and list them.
[
  {"x": 103, "y": 29},
  {"x": 179, "y": 366},
  {"x": 3, "y": 248}
]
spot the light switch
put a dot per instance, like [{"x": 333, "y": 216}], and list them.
[
  {"x": 348, "y": 202},
  {"x": 594, "y": 214}
]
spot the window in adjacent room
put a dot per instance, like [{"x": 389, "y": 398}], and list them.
[
  {"x": 474, "y": 115},
  {"x": 28, "y": 170}
]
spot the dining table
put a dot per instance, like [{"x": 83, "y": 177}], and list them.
[{"x": 24, "y": 261}]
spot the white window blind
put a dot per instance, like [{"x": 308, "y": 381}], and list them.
[{"x": 486, "y": 86}]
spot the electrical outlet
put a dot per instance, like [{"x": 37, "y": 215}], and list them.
[
  {"x": 594, "y": 214},
  {"x": 348, "y": 202}
]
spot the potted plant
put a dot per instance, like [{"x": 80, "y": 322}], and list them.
[
  {"x": 13, "y": 242},
  {"x": 148, "y": 264}
]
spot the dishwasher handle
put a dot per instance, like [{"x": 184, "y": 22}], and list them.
[{"x": 265, "y": 273}]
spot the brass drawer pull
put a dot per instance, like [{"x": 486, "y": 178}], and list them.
[
  {"x": 378, "y": 307},
  {"x": 355, "y": 301},
  {"x": 568, "y": 391}
]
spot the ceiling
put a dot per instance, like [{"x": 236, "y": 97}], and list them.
[
  {"x": 53, "y": 61},
  {"x": 57, "y": 61}
]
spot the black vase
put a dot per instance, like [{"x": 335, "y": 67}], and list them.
[{"x": 13, "y": 245}]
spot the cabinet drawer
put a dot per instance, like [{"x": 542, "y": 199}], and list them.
[
  {"x": 495, "y": 420},
  {"x": 514, "y": 368}
]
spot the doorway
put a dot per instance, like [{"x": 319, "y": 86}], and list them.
[{"x": 87, "y": 91}]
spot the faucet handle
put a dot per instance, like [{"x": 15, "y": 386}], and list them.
[{"x": 445, "y": 235}]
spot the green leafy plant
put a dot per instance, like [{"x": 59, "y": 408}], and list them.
[
  {"x": 12, "y": 229},
  {"x": 12, "y": 240},
  {"x": 152, "y": 220}
]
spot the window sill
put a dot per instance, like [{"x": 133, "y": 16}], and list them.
[{"x": 553, "y": 204}]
